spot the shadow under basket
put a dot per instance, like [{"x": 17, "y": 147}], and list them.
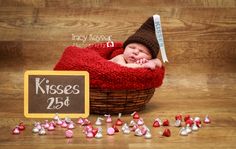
[{"x": 119, "y": 101}]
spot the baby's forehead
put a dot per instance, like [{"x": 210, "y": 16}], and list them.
[{"x": 139, "y": 45}]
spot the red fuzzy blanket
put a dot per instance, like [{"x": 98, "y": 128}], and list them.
[{"x": 105, "y": 74}]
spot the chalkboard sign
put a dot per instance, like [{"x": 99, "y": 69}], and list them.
[{"x": 50, "y": 92}]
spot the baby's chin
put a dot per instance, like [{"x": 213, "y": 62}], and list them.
[{"x": 129, "y": 61}]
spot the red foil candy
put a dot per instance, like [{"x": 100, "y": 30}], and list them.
[
  {"x": 165, "y": 122},
  {"x": 186, "y": 117},
  {"x": 166, "y": 133},
  {"x": 115, "y": 128},
  {"x": 189, "y": 122},
  {"x": 178, "y": 117},
  {"x": 135, "y": 115},
  {"x": 119, "y": 122},
  {"x": 21, "y": 126},
  {"x": 156, "y": 124}
]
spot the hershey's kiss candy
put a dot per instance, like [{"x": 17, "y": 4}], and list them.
[
  {"x": 188, "y": 129},
  {"x": 86, "y": 122},
  {"x": 156, "y": 124},
  {"x": 46, "y": 124},
  {"x": 38, "y": 125},
  {"x": 35, "y": 129},
  {"x": 99, "y": 121},
  {"x": 135, "y": 115},
  {"x": 89, "y": 134},
  {"x": 178, "y": 123},
  {"x": 80, "y": 121},
  {"x": 194, "y": 127},
  {"x": 145, "y": 129},
  {"x": 64, "y": 124},
  {"x": 148, "y": 135},
  {"x": 99, "y": 134},
  {"x": 16, "y": 131},
  {"x": 53, "y": 123},
  {"x": 71, "y": 125},
  {"x": 138, "y": 132},
  {"x": 56, "y": 117},
  {"x": 67, "y": 120},
  {"x": 166, "y": 133},
  {"x": 189, "y": 122},
  {"x": 42, "y": 131},
  {"x": 198, "y": 122},
  {"x": 125, "y": 126},
  {"x": 115, "y": 128},
  {"x": 159, "y": 120},
  {"x": 186, "y": 117},
  {"x": 51, "y": 127},
  {"x": 21, "y": 126},
  {"x": 140, "y": 122},
  {"x": 119, "y": 122},
  {"x": 183, "y": 132},
  {"x": 88, "y": 128},
  {"x": 108, "y": 120},
  {"x": 59, "y": 121},
  {"x": 134, "y": 127},
  {"x": 178, "y": 117},
  {"x": 110, "y": 131},
  {"x": 165, "y": 122},
  {"x": 69, "y": 133},
  {"x": 207, "y": 120},
  {"x": 196, "y": 119},
  {"x": 132, "y": 123},
  {"x": 126, "y": 131},
  {"x": 95, "y": 131}
]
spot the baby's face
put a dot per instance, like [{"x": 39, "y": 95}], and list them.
[{"x": 136, "y": 51}]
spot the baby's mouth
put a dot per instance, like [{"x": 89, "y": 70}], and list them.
[{"x": 132, "y": 59}]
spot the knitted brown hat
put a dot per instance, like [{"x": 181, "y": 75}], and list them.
[{"x": 146, "y": 36}]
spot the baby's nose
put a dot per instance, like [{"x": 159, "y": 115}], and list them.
[{"x": 136, "y": 51}]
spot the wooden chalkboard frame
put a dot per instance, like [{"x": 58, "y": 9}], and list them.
[{"x": 56, "y": 73}]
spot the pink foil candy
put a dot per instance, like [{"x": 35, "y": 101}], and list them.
[
  {"x": 16, "y": 131},
  {"x": 110, "y": 131},
  {"x": 69, "y": 133},
  {"x": 108, "y": 120},
  {"x": 207, "y": 120}
]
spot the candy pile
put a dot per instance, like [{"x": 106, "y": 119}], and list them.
[{"x": 135, "y": 126}]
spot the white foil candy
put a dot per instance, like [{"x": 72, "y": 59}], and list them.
[
  {"x": 56, "y": 117},
  {"x": 132, "y": 123},
  {"x": 183, "y": 132},
  {"x": 188, "y": 129},
  {"x": 178, "y": 123},
  {"x": 194, "y": 127},
  {"x": 42, "y": 131},
  {"x": 148, "y": 135},
  {"x": 67, "y": 120},
  {"x": 99, "y": 121},
  {"x": 35, "y": 130},
  {"x": 99, "y": 133},
  {"x": 138, "y": 132}
]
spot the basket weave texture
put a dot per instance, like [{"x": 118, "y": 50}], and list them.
[{"x": 119, "y": 101}]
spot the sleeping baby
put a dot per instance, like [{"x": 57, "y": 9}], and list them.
[{"x": 141, "y": 48}]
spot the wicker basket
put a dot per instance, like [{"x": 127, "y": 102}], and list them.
[{"x": 121, "y": 101}]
